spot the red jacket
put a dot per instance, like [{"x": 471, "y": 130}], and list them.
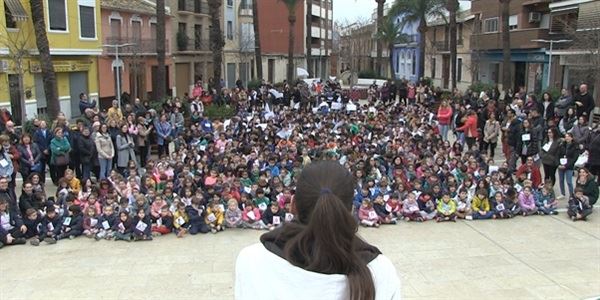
[
  {"x": 470, "y": 127},
  {"x": 536, "y": 175},
  {"x": 444, "y": 115}
]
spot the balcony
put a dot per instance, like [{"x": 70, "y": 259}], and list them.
[
  {"x": 441, "y": 45},
  {"x": 139, "y": 47},
  {"x": 190, "y": 44},
  {"x": 246, "y": 9},
  {"x": 519, "y": 39}
]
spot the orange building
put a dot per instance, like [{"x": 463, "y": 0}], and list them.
[{"x": 131, "y": 23}]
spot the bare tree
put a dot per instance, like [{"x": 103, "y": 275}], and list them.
[
  {"x": 506, "y": 78},
  {"x": 161, "y": 72},
  {"x": 17, "y": 44},
  {"x": 257, "y": 50}
]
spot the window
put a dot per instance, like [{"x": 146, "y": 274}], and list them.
[
  {"x": 136, "y": 30},
  {"x": 490, "y": 25},
  {"x": 198, "y": 36},
  {"x": 181, "y": 5},
  {"x": 459, "y": 69},
  {"x": 229, "y": 30},
  {"x": 414, "y": 63},
  {"x": 229, "y": 2},
  {"x": 459, "y": 34},
  {"x": 434, "y": 34},
  {"x": 182, "y": 27},
  {"x": 513, "y": 22},
  {"x": 197, "y": 6},
  {"x": 57, "y": 15},
  {"x": 115, "y": 29},
  {"x": 153, "y": 30},
  {"x": 433, "y": 63},
  {"x": 87, "y": 22},
  {"x": 10, "y": 21}
]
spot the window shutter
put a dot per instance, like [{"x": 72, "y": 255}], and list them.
[
  {"x": 87, "y": 21},
  {"x": 57, "y": 15}
]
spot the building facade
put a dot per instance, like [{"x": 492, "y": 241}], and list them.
[
  {"x": 192, "y": 58},
  {"x": 74, "y": 34},
  {"x": 438, "y": 65},
  {"x": 238, "y": 52},
  {"x": 529, "y": 24},
  {"x": 406, "y": 55},
  {"x": 132, "y": 24}
]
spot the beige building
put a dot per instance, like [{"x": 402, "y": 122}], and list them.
[
  {"x": 190, "y": 46},
  {"x": 438, "y": 65},
  {"x": 238, "y": 52}
]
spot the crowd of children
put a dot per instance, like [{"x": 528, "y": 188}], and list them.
[{"x": 241, "y": 173}]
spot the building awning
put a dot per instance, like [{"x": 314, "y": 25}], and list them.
[{"x": 16, "y": 9}]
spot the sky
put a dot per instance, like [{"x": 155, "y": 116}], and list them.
[{"x": 352, "y": 9}]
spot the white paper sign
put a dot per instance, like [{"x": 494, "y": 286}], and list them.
[
  {"x": 247, "y": 189},
  {"x": 159, "y": 222},
  {"x": 50, "y": 226},
  {"x": 251, "y": 215},
  {"x": 289, "y": 217},
  {"x": 336, "y": 106},
  {"x": 563, "y": 161},
  {"x": 221, "y": 207},
  {"x": 546, "y": 147},
  {"x": 351, "y": 107},
  {"x": 202, "y": 148},
  {"x": 262, "y": 206},
  {"x": 180, "y": 221},
  {"x": 121, "y": 227},
  {"x": 372, "y": 215},
  {"x": 105, "y": 225},
  {"x": 276, "y": 220},
  {"x": 462, "y": 205},
  {"x": 413, "y": 209},
  {"x": 67, "y": 221},
  {"x": 93, "y": 222},
  {"x": 500, "y": 207},
  {"x": 388, "y": 207},
  {"x": 141, "y": 226},
  {"x": 386, "y": 198},
  {"x": 3, "y": 163},
  {"x": 526, "y": 137},
  {"x": 211, "y": 218}
]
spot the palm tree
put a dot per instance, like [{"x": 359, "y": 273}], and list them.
[
  {"x": 505, "y": 8},
  {"x": 389, "y": 34},
  {"x": 216, "y": 42},
  {"x": 257, "y": 50},
  {"x": 380, "y": 4},
  {"x": 161, "y": 73},
  {"x": 291, "y": 6},
  {"x": 50, "y": 85},
  {"x": 309, "y": 36},
  {"x": 452, "y": 7},
  {"x": 418, "y": 11}
]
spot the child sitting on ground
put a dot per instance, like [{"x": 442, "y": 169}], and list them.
[
  {"x": 181, "y": 220},
  {"x": 579, "y": 206},
  {"x": 501, "y": 208},
  {"x": 251, "y": 217},
  {"x": 33, "y": 221},
  {"x": 164, "y": 223},
  {"x": 481, "y": 206},
  {"x": 123, "y": 227},
  {"x": 72, "y": 225},
  {"x": 446, "y": 209},
  {"x": 463, "y": 204},
  {"x": 367, "y": 215},
  {"x": 72, "y": 181},
  {"x": 410, "y": 209},
  {"x": 105, "y": 224},
  {"x": 89, "y": 222},
  {"x": 233, "y": 214},
  {"x": 527, "y": 202},
  {"x": 197, "y": 217},
  {"x": 385, "y": 216},
  {"x": 546, "y": 201},
  {"x": 214, "y": 217},
  {"x": 142, "y": 226},
  {"x": 274, "y": 216},
  {"x": 426, "y": 207}
]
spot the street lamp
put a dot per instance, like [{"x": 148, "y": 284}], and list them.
[
  {"x": 551, "y": 42},
  {"x": 118, "y": 65}
]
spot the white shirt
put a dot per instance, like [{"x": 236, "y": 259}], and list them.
[
  {"x": 260, "y": 274},
  {"x": 5, "y": 221}
]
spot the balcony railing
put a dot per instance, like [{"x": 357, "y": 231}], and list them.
[
  {"x": 192, "y": 44},
  {"x": 441, "y": 45},
  {"x": 140, "y": 46},
  {"x": 519, "y": 39}
]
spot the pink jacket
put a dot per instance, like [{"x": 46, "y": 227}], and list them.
[
  {"x": 256, "y": 215},
  {"x": 444, "y": 115},
  {"x": 526, "y": 202},
  {"x": 363, "y": 214}
]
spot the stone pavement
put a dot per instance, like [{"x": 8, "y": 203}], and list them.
[{"x": 538, "y": 257}]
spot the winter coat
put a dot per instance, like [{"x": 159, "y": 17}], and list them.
[
  {"x": 594, "y": 148},
  {"x": 444, "y": 115},
  {"x": 125, "y": 150},
  {"x": 29, "y": 201},
  {"x": 550, "y": 157},
  {"x": 534, "y": 174},
  {"x": 570, "y": 151},
  {"x": 25, "y": 158},
  {"x": 590, "y": 189},
  {"x": 87, "y": 150},
  {"x": 268, "y": 216},
  {"x": 524, "y": 146},
  {"x": 491, "y": 132},
  {"x": 58, "y": 146},
  {"x": 581, "y": 134},
  {"x": 446, "y": 208},
  {"x": 526, "y": 202},
  {"x": 478, "y": 204},
  {"x": 470, "y": 127},
  {"x": 104, "y": 146},
  {"x": 233, "y": 218}
]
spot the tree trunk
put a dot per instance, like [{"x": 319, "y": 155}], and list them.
[
  {"x": 216, "y": 42},
  {"x": 422, "y": 31},
  {"x": 506, "y": 78},
  {"x": 257, "y": 50},
  {"x": 291, "y": 39},
  {"x": 159, "y": 86},
  {"x": 452, "y": 8},
  {"x": 391, "y": 61},
  {"x": 380, "y": 4},
  {"x": 309, "y": 38},
  {"x": 50, "y": 85}
]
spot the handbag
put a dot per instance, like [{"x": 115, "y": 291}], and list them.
[
  {"x": 581, "y": 160},
  {"x": 62, "y": 160}
]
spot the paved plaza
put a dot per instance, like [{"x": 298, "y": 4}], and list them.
[{"x": 538, "y": 257}]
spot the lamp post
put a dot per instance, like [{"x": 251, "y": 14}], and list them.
[
  {"x": 551, "y": 42},
  {"x": 118, "y": 65}
]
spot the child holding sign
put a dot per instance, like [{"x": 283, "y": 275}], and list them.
[
  {"x": 274, "y": 216},
  {"x": 142, "y": 226},
  {"x": 214, "y": 217},
  {"x": 72, "y": 225},
  {"x": 446, "y": 209},
  {"x": 251, "y": 217},
  {"x": 90, "y": 222},
  {"x": 123, "y": 227},
  {"x": 367, "y": 215},
  {"x": 106, "y": 223}
]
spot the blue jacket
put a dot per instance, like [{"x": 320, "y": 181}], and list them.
[
  {"x": 43, "y": 142},
  {"x": 163, "y": 130}
]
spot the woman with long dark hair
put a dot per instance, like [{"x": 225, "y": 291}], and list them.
[{"x": 319, "y": 252}]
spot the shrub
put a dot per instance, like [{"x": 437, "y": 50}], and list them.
[
  {"x": 219, "y": 112},
  {"x": 254, "y": 84},
  {"x": 369, "y": 74},
  {"x": 479, "y": 87}
]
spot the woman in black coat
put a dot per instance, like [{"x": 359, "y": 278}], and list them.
[
  {"x": 527, "y": 141},
  {"x": 87, "y": 152},
  {"x": 594, "y": 155},
  {"x": 30, "y": 157}
]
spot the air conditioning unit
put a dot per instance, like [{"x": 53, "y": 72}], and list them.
[
  {"x": 535, "y": 17},
  {"x": 3, "y": 66}
]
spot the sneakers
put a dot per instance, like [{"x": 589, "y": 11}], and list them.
[
  {"x": 35, "y": 242},
  {"x": 470, "y": 218},
  {"x": 155, "y": 233},
  {"x": 19, "y": 241},
  {"x": 50, "y": 240},
  {"x": 71, "y": 237},
  {"x": 1, "y": 245},
  {"x": 215, "y": 231},
  {"x": 554, "y": 212}
]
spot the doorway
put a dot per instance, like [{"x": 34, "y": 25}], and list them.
[
  {"x": 445, "y": 71},
  {"x": 137, "y": 80},
  {"x": 271, "y": 66},
  {"x": 520, "y": 75},
  {"x": 78, "y": 83},
  {"x": 231, "y": 75},
  {"x": 15, "y": 98}
]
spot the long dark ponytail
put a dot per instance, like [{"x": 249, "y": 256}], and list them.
[{"x": 324, "y": 238}]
